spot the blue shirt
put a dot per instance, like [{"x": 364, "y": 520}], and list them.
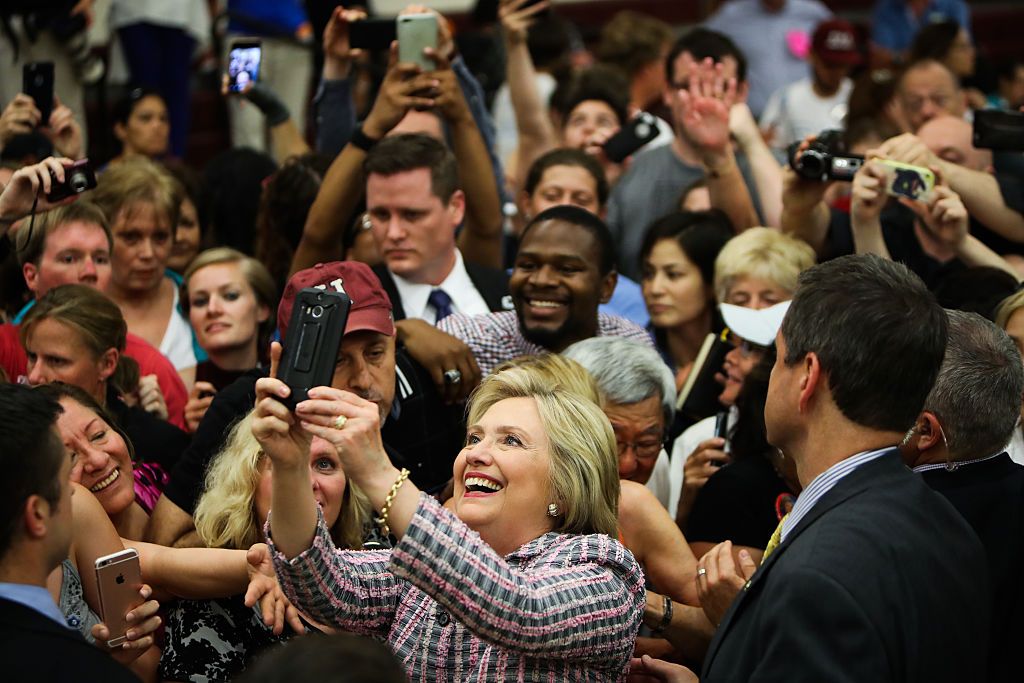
[
  {"x": 33, "y": 597},
  {"x": 627, "y": 302},
  {"x": 894, "y": 25},
  {"x": 823, "y": 483}
]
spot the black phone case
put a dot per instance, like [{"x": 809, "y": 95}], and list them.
[
  {"x": 314, "y": 337},
  {"x": 638, "y": 132},
  {"x": 37, "y": 83},
  {"x": 999, "y": 130},
  {"x": 372, "y": 34}
]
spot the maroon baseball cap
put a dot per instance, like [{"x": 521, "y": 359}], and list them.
[
  {"x": 835, "y": 42},
  {"x": 371, "y": 307}
]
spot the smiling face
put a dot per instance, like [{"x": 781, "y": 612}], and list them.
[
  {"x": 414, "y": 229},
  {"x": 148, "y": 129},
  {"x": 142, "y": 243},
  {"x": 673, "y": 288},
  {"x": 76, "y": 252},
  {"x": 328, "y": 482},
  {"x": 102, "y": 462},
  {"x": 223, "y": 308},
  {"x": 556, "y": 284},
  {"x": 57, "y": 353},
  {"x": 740, "y": 360},
  {"x": 502, "y": 476}
]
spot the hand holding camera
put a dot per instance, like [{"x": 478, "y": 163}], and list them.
[
  {"x": 59, "y": 180},
  {"x": 824, "y": 157}
]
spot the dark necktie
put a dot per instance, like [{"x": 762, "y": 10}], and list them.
[{"x": 441, "y": 302}]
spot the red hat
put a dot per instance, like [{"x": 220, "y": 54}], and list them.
[
  {"x": 835, "y": 42},
  {"x": 371, "y": 307}
]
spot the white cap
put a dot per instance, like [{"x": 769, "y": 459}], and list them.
[{"x": 756, "y": 326}]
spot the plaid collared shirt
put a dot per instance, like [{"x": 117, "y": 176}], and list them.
[
  {"x": 562, "y": 607},
  {"x": 495, "y": 337}
]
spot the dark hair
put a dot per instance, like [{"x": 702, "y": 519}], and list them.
[
  {"x": 336, "y": 658},
  {"x": 700, "y": 234},
  {"x": 748, "y": 437},
  {"x": 934, "y": 41},
  {"x": 122, "y": 111},
  {"x": 878, "y": 333},
  {"x": 565, "y": 156},
  {"x": 190, "y": 184},
  {"x": 231, "y": 191},
  {"x": 57, "y": 391},
  {"x": 702, "y": 43},
  {"x": 31, "y": 453},
  {"x": 284, "y": 207},
  {"x": 549, "y": 42},
  {"x": 977, "y": 290},
  {"x": 601, "y": 83},
  {"x": 586, "y": 220},
  {"x": 868, "y": 103},
  {"x": 411, "y": 151}
]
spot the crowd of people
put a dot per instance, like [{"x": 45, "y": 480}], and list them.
[{"x": 672, "y": 353}]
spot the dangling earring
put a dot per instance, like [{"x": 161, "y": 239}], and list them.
[{"x": 553, "y": 510}]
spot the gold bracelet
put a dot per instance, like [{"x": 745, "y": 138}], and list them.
[{"x": 382, "y": 521}]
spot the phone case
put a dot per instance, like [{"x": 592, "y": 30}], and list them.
[
  {"x": 631, "y": 137},
  {"x": 37, "y": 83},
  {"x": 372, "y": 34},
  {"x": 907, "y": 180},
  {"x": 119, "y": 578},
  {"x": 314, "y": 337},
  {"x": 415, "y": 32}
]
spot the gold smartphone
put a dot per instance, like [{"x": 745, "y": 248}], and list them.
[
  {"x": 119, "y": 578},
  {"x": 907, "y": 180}
]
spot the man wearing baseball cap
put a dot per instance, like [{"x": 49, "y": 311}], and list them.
[
  {"x": 419, "y": 430},
  {"x": 818, "y": 103}
]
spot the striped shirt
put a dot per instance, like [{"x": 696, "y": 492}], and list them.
[
  {"x": 823, "y": 483},
  {"x": 495, "y": 337},
  {"x": 562, "y": 607}
]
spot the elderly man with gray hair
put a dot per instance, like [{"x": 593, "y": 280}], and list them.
[
  {"x": 958, "y": 445},
  {"x": 638, "y": 395}
]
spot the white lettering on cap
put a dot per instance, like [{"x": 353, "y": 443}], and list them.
[
  {"x": 337, "y": 284},
  {"x": 840, "y": 41}
]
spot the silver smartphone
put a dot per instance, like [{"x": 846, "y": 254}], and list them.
[
  {"x": 416, "y": 32},
  {"x": 119, "y": 578}
]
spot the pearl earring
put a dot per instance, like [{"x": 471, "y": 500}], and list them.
[{"x": 553, "y": 510}]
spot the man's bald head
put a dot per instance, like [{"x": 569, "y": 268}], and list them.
[
  {"x": 927, "y": 89},
  {"x": 950, "y": 138}
]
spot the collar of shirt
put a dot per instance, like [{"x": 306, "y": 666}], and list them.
[
  {"x": 465, "y": 298},
  {"x": 823, "y": 483},
  {"x": 33, "y": 597}
]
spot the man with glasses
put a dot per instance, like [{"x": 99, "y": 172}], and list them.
[{"x": 927, "y": 89}]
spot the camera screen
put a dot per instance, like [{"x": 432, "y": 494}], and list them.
[{"x": 243, "y": 67}]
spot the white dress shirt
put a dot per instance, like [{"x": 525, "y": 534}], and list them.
[{"x": 464, "y": 295}]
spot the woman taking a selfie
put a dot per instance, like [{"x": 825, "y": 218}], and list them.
[
  {"x": 228, "y": 298},
  {"x": 541, "y": 587}
]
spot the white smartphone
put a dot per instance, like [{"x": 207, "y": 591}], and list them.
[
  {"x": 119, "y": 578},
  {"x": 415, "y": 32}
]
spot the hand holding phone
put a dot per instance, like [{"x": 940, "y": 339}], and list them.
[
  {"x": 417, "y": 32},
  {"x": 635, "y": 134},
  {"x": 119, "y": 578},
  {"x": 37, "y": 83},
  {"x": 907, "y": 180},
  {"x": 310, "y": 352}
]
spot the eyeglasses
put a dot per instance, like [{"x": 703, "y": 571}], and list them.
[
  {"x": 746, "y": 348},
  {"x": 647, "y": 449}
]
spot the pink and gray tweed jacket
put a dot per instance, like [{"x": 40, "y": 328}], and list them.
[{"x": 560, "y": 608}]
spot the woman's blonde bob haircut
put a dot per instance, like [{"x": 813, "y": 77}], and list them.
[
  {"x": 226, "y": 513},
  {"x": 584, "y": 461},
  {"x": 1007, "y": 307},
  {"x": 761, "y": 253}
]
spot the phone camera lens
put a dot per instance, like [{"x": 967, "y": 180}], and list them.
[
  {"x": 643, "y": 130},
  {"x": 317, "y": 311}
]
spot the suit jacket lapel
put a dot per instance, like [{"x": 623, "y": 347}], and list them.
[
  {"x": 867, "y": 475},
  {"x": 388, "y": 282}
]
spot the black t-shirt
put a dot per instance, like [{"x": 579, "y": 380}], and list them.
[
  {"x": 421, "y": 432},
  {"x": 742, "y": 502},
  {"x": 153, "y": 439}
]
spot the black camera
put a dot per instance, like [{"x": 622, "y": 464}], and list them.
[
  {"x": 78, "y": 177},
  {"x": 825, "y": 158}
]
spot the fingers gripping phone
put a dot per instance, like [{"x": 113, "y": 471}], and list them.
[
  {"x": 314, "y": 336},
  {"x": 631, "y": 137},
  {"x": 37, "y": 83},
  {"x": 416, "y": 32},
  {"x": 244, "y": 64},
  {"x": 721, "y": 432},
  {"x": 119, "y": 578}
]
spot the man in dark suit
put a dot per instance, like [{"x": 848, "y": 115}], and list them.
[
  {"x": 958, "y": 446},
  {"x": 874, "y": 576},
  {"x": 35, "y": 535}
]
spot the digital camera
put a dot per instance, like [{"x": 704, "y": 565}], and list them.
[{"x": 825, "y": 158}]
